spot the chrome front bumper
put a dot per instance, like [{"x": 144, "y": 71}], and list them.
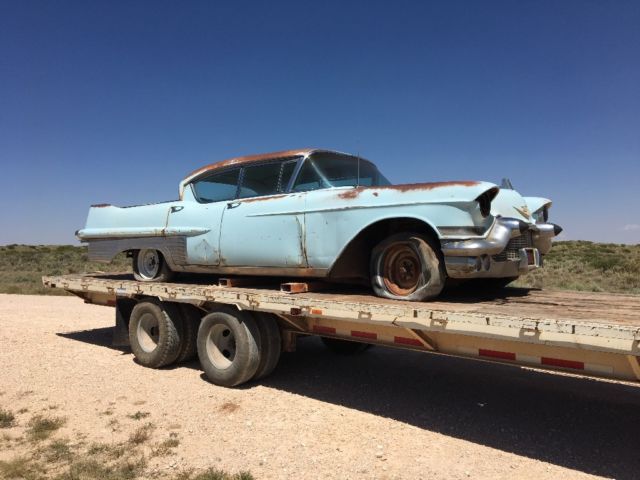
[{"x": 512, "y": 248}]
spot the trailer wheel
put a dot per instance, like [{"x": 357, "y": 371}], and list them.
[
  {"x": 229, "y": 347},
  {"x": 344, "y": 347},
  {"x": 150, "y": 266},
  {"x": 189, "y": 337},
  {"x": 154, "y": 333},
  {"x": 270, "y": 344},
  {"x": 407, "y": 266}
]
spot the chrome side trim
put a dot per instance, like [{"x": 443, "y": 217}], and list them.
[
  {"x": 89, "y": 234},
  {"x": 174, "y": 249}
]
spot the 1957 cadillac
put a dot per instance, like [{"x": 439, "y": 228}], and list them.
[{"x": 330, "y": 215}]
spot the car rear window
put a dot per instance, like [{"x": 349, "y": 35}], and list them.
[{"x": 217, "y": 187}]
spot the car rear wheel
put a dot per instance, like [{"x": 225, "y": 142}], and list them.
[
  {"x": 150, "y": 266},
  {"x": 407, "y": 266}
]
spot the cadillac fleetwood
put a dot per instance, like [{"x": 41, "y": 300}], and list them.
[{"x": 330, "y": 215}]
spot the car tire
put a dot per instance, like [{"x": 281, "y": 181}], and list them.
[
  {"x": 154, "y": 333},
  {"x": 189, "y": 338},
  {"x": 344, "y": 347},
  {"x": 270, "y": 344},
  {"x": 149, "y": 265},
  {"x": 228, "y": 347},
  {"x": 407, "y": 266}
]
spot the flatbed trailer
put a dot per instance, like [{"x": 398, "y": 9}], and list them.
[{"x": 591, "y": 334}]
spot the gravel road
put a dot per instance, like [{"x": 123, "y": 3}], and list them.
[{"x": 381, "y": 414}]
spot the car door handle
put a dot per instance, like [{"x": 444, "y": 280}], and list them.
[{"x": 233, "y": 204}]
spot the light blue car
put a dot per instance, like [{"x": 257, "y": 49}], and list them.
[{"x": 324, "y": 214}]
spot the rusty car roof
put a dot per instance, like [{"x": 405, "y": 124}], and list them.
[{"x": 257, "y": 158}]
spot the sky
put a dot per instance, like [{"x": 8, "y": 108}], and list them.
[{"x": 116, "y": 101}]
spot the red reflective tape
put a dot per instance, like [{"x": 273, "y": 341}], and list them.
[
  {"x": 408, "y": 341},
  {"x": 316, "y": 311},
  {"x": 496, "y": 354},
  {"x": 321, "y": 329},
  {"x": 558, "y": 362},
  {"x": 370, "y": 335}
]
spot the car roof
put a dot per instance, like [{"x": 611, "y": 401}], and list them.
[{"x": 249, "y": 159}]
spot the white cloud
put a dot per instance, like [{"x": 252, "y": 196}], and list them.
[{"x": 631, "y": 226}]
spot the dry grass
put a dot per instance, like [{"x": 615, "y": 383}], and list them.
[
  {"x": 34, "y": 452},
  {"x": 21, "y": 467},
  {"x": 587, "y": 266},
  {"x": 142, "y": 434},
  {"x": 90, "y": 469},
  {"x": 40, "y": 428},
  {"x": 166, "y": 447},
  {"x": 22, "y": 266},
  {"x": 214, "y": 474},
  {"x": 58, "y": 451},
  {"x": 7, "y": 419},
  {"x": 139, "y": 415}
]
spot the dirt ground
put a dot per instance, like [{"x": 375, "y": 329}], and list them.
[{"x": 381, "y": 414}]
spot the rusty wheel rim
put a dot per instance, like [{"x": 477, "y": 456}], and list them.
[{"x": 401, "y": 269}]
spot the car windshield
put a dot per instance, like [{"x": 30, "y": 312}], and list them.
[{"x": 325, "y": 170}]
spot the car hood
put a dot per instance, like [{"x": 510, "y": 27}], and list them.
[{"x": 509, "y": 203}]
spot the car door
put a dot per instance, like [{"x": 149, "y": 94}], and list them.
[
  {"x": 205, "y": 201},
  {"x": 264, "y": 227}
]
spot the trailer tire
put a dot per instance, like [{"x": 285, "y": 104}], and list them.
[
  {"x": 228, "y": 346},
  {"x": 270, "y": 344},
  {"x": 344, "y": 347},
  {"x": 189, "y": 337},
  {"x": 407, "y": 266},
  {"x": 154, "y": 333}
]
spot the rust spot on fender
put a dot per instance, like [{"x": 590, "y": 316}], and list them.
[
  {"x": 350, "y": 194},
  {"x": 407, "y": 187}
]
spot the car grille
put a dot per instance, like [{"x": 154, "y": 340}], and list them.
[{"x": 511, "y": 251}]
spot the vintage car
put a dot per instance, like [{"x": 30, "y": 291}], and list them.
[{"x": 329, "y": 215}]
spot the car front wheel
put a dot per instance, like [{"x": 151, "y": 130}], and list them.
[{"x": 407, "y": 266}]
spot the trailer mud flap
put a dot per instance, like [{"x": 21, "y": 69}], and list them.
[{"x": 121, "y": 329}]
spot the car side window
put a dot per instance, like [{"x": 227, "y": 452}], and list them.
[
  {"x": 217, "y": 187},
  {"x": 287, "y": 171},
  {"x": 258, "y": 180},
  {"x": 266, "y": 179},
  {"x": 309, "y": 178}
]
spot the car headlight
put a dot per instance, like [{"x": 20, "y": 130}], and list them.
[
  {"x": 484, "y": 201},
  {"x": 542, "y": 215}
]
